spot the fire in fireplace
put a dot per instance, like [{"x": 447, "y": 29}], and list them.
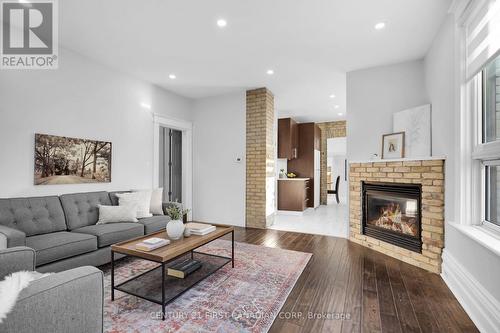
[{"x": 391, "y": 213}]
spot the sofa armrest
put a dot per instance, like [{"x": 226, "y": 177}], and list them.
[
  {"x": 10, "y": 237},
  {"x": 16, "y": 259},
  {"x": 70, "y": 301}
]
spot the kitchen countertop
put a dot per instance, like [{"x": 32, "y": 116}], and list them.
[{"x": 297, "y": 178}]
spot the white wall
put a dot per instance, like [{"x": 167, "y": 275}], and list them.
[
  {"x": 373, "y": 96},
  {"x": 440, "y": 84},
  {"x": 85, "y": 100},
  {"x": 470, "y": 268},
  {"x": 480, "y": 262},
  {"x": 219, "y": 139}
]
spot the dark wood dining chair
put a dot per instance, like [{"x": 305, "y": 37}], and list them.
[{"x": 336, "y": 191}]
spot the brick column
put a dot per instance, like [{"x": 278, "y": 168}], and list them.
[{"x": 260, "y": 158}]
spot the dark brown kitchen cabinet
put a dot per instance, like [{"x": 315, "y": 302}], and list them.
[
  {"x": 288, "y": 139},
  {"x": 292, "y": 194},
  {"x": 304, "y": 166}
]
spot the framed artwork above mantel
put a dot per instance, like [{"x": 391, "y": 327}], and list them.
[
  {"x": 417, "y": 125},
  {"x": 393, "y": 145}
]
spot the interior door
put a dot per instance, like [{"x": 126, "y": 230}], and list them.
[
  {"x": 176, "y": 166},
  {"x": 171, "y": 164}
]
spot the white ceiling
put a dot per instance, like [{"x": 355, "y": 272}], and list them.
[{"x": 310, "y": 44}]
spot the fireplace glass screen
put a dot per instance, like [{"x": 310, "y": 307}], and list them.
[{"x": 393, "y": 213}]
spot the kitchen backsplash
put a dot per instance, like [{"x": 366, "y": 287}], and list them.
[{"x": 282, "y": 163}]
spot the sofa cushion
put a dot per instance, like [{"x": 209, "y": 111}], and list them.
[
  {"x": 108, "y": 234},
  {"x": 154, "y": 224},
  {"x": 33, "y": 216},
  {"x": 81, "y": 209},
  {"x": 59, "y": 245},
  {"x": 114, "y": 198}
]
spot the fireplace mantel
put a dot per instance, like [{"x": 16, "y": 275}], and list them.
[
  {"x": 406, "y": 159},
  {"x": 427, "y": 172}
]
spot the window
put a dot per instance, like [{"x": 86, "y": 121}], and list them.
[
  {"x": 486, "y": 96},
  {"x": 491, "y": 101}
]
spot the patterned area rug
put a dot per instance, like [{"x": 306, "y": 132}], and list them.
[{"x": 246, "y": 298}]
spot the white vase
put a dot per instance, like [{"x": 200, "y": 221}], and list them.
[{"x": 175, "y": 229}]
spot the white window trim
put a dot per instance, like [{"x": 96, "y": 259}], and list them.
[
  {"x": 470, "y": 195},
  {"x": 464, "y": 126},
  {"x": 483, "y": 154}
]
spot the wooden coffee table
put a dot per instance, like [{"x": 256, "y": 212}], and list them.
[{"x": 152, "y": 285}]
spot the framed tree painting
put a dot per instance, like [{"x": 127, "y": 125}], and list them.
[
  {"x": 393, "y": 145},
  {"x": 63, "y": 160}
]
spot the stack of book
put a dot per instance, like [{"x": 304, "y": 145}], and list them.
[
  {"x": 151, "y": 244},
  {"x": 200, "y": 229},
  {"x": 183, "y": 268}
]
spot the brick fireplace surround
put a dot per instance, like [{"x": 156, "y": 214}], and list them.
[{"x": 430, "y": 174}]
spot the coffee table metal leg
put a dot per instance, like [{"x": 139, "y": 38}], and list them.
[
  {"x": 112, "y": 276},
  {"x": 232, "y": 248},
  {"x": 163, "y": 291}
]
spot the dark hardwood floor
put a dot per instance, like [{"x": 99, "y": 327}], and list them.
[{"x": 371, "y": 291}]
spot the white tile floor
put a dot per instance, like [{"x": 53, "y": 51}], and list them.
[{"x": 329, "y": 220}]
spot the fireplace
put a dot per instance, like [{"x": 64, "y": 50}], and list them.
[{"x": 392, "y": 213}]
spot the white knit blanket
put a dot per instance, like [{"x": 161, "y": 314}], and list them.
[{"x": 11, "y": 286}]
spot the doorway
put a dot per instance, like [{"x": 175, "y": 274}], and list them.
[
  {"x": 325, "y": 219},
  {"x": 336, "y": 171},
  {"x": 181, "y": 171},
  {"x": 170, "y": 168}
]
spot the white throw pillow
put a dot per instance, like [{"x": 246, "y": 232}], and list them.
[
  {"x": 141, "y": 200},
  {"x": 156, "y": 207},
  {"x": 115, "y": 214},
  {"x": 156, "y": 203}
]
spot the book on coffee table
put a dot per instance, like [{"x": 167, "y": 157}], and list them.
[
  {"x": 200, "y": 228},
  {"x": 183, "y": 268},
  {"x": 151, "y": 244}
]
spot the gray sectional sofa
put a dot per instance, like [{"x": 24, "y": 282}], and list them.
[{"x": 63, "y": 231}]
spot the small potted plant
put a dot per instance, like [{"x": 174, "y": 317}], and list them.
[{"x": 175, "y": 227}]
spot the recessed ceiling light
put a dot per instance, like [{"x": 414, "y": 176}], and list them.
[
  {"x": 332, "y": 96},
  {"x": 221, "y": 23},
  {"x": 380, "y": 26},
  {"x": 336, "y": 106},
  {"x": 172, "y": 76},
  {"x": 340, "y": 114},
  {"x": 270, "y": 72},
  {"x": 146, "y": 106}
]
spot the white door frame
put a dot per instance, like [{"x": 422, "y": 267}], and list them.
[{"x": 187, "y": 155}]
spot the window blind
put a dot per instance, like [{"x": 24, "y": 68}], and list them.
[{"x": 482, "y": 35}]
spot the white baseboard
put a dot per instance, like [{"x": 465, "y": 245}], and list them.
[{"x": 482, "y": 308}]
